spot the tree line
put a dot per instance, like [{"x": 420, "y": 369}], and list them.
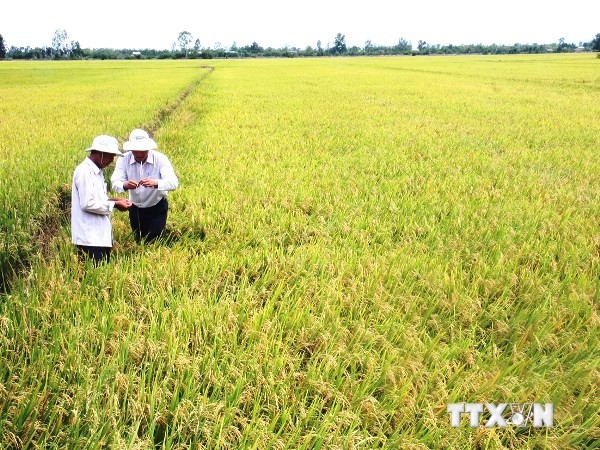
[{"x": 186, "y": 47}]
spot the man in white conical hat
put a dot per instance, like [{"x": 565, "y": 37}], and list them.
[
  {"x": 91, "y": 227},
  {"x": 148, "y": 176}
]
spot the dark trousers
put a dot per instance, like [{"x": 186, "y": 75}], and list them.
[
  {"x": 148, "y": 224},
  {"x": 96, "y": 254}
]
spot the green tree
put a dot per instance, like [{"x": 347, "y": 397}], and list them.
[
  {"x": 595, "y": 44},
  {"x": 76, "y": 51},
  {"x": 404, "y": 46},
  {"x": 319, "y": 48},
  {"x": 255, "y": 48},
  {"x": 339, "y": 44},
  {"x": 184, "y": 40},
  {"x": 309, "y": 51},
  {"x": 2, "y": 48},
  {"x": 58, "y": 42},
  {"x": 564, "y": 47}
]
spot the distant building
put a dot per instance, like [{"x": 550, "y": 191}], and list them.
[{"x": 136, "y": 54}]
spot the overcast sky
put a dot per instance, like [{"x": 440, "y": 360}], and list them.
[{"x": 137, "y": 24}]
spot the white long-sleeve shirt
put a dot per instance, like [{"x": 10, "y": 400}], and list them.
[
  {"x": 90, "y": 207},
  {"x": 156, "y": 166}
]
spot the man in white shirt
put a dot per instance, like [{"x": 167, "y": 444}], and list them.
[
  {"x": 148, "y": 176},
  {"x": 91, "y": 228}
]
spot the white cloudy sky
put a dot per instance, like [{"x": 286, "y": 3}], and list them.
[{"x": 277, "y": 23}]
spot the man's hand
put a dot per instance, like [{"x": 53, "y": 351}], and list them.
[
  {"x": 130, "y": 184},
  {"x": 122, "y": 204},
  {"x": 148, "y": 182}
]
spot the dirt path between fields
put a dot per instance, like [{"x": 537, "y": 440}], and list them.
[{"x": 153, "y": 125}]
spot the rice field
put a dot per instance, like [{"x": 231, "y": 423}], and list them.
[{"x": 355, "y": 243}]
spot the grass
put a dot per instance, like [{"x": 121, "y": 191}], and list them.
[
  {"x": 50, "y": 113},
  {"x": 357, "y": 243}
]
